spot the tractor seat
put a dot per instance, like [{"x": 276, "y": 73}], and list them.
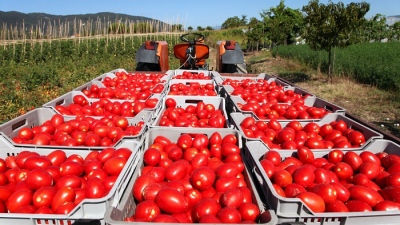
[
  {"x": 230, "y": 45},
  {"x": 202, "y": 51}
]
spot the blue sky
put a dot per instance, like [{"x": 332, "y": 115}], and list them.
[{"x": 189, "y": 13}]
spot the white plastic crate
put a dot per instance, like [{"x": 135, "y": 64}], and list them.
[
  {"x": 88, "y": 208},
  {"x": 126, "y": 207},
  {"x": 67, "y": 99},
  {"x": 368, "y": 133},
  {"x": 310, "y": 101},
  {"x": 111, "y": 74},
  {"x": 187, "y": 82},
  {"x": 88, "y": 85},
  {"x": 207, "y": 73},
  {"x": 184, "y": 101},
  {"x": 293, "y": 209},
  {"x": 38, "y": 116}
]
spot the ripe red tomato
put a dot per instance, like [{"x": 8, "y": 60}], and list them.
[
  {"x": 335, "y": 156},
  {"x": 57, "y": 157},
  {"x": 326, "y": 191},
  {"x": 36, "y": 162},
  {"x": 229, "y": 215},
  {"x": 177, "y": 170},
  {"x": 94, "y": 188},
  {"x": 205, "y": 206},
  {"x": 313, "y": 201},
  {"x": 233, "y": 198},
  {"x": 367, "y": 195},
  {"x": 43, "y": 197},
  {"x": 203, "y": 178},
  {"x": 358, "y": 206},
  {"x": 304, "y": 175},
  {"x": 336, "y": 206},
  {"x": 171, "y": 200},
  {"x": 343, "y": 170},
  {"x": 38, "y": 178},
  {"x": 305, "y": 155},
  {"x": 26, "y": 133},
  {"x": 72, "y": 168},
  {"x": 282, "y": 178},
  {"x": 146, "y": 211},
  {"x": 353, "y": 159},
  {"x": 114, "y": 165},
  {"x": 170, "y": 103},
  {"x": 140, "y": 184},
  {"x": 19, "y": 199}
]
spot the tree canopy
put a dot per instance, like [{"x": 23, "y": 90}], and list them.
[
  {"x": 234, "y": 22},
  {"x": 333, "y": 25},
  {"x": 283, "y": 24}
]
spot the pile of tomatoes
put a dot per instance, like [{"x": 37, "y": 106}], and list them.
[
  {"x": 192, "y": 75},
  {"x": 192, "y": 89},
  {"x": 127, "y": 86},
  {"x": 195, "y": 179},
  {"x": 282, "y": 111},
  {"x": 142, "y": 92},
  {"x": 269, "y": 101},
  {"x": 339, "y": 181},
  {"x": 56, "y": 183},
  {"x": 193, "y": 115},
  {"x": 105, "y": 107},
  {"x": 265, "y": 92},
  {"x": 294, "y": 135},
  {"x": 80, "y": 131},
  {"x": 123, "y": 78}
]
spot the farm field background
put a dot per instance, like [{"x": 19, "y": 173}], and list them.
[{"x": 35, "y": 72}]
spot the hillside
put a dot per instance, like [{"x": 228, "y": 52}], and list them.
[{"x": 13, "y": 18}]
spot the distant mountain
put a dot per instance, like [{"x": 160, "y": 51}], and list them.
[
  {"x": 390, "y": 20},
  {"x": 13, "y": 17},
  {"x": 42, "y": 19}
]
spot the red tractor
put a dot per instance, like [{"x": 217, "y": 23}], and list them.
[{"x": 192, "y": 54}]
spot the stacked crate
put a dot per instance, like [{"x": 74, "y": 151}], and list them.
[{"x": 193, "y": 90}]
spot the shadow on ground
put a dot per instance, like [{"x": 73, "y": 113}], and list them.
[{"x": 294, "y": 77}]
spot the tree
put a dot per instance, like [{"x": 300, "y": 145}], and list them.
[
  {"x": 375, "y": 29},
  {"x": 243, "y": 21},
  {"x": 209, "y": 28},
  {"x": 394, "y": 32},
  {"x": 231, "y": 22},
  {"x": 199, "y": 28},
  {"x": 333, "y": 25},
  {"x": 255, "y": 34},
  {"x": 190, "y": 28},
  {"x": 283, "y": 24}
]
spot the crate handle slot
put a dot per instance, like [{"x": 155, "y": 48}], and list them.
[
  {"x": 194, "y": 134},
  {"x": 328, "y": 107},
  {"x": 86, "y": 222},
  {"x": 18, "y": 124},
  {"x": 189, "y": 82},
  {"x": 193, "y": 101},
  {"x": 354, "y": 127},
  {"x": 62, "y": 101},
  {"x": 257, "y": 174}
]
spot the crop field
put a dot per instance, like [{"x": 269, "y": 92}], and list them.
[
  {"x": 35, "y": 72},
  {"x": 376, "y": 64}
]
